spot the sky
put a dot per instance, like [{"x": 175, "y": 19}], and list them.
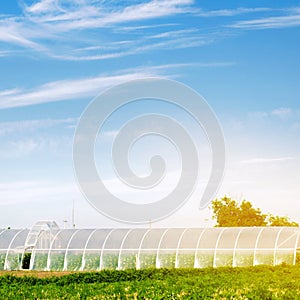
[{"x": 57, "y": 55}]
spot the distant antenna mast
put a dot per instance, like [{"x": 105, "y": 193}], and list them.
[{"x": 73, "y": 214}]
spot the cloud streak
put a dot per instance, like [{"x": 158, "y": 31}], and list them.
[
  {"x": 231, "y": 12},
  {"x": 8, "y": 128},
  {"x": 66, "y": 90},
  {"x": 20, "y": 192},
  {"x": 269, "y": 23},
  {"x": 281, "y": 113},
  {"x": 92, "y": 16},
  {"x": 267, "y": 160},
  {"x": 74, "y": 89},
  {"x": 72, "y": 21}
]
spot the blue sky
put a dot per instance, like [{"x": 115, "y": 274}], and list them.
[{"x": 56, "y": 56}]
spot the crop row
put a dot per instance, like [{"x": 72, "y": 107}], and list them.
[{"x": 74, "y": 261}]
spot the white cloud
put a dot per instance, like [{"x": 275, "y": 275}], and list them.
[
  {"x": 48, "y": 20},
  {"x": 31, "y": 147},
  {"x": 93, "y": 57},
  {"x": 6, "y": 53},
  {"x": 142, "y": 47},
  {"x": 281, "y": 112},
  {"x": 66, "y": 90},
  {"x": 44, "y": 6},
  {"x": 231, "y": 12},
  {"x": 73, "y": 89},
  {"x": 9, "y": 92},
  {"x": 12, "y": 32},
  {"x": 267, "y": 160},
  {"x": 258, "y": 114},
  {"x": 24, "y": 147},
  {"x": 270, "y": 22},
  {"x": 80, "y": 15},
  {"x": 194, "y": 64},
  {"x": 166, "y": 40},
  {"x": 139, "y": 196},
  {"x": 7, "y": 128},
  {"x": 31, "y": 138},
  {"x": 20, "y": 192},
  {"x": 143, "y": 27},
  {"x": 173, "y": 33}
]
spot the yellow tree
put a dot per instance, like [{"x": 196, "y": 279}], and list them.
[{"x": 229, "y": 213}]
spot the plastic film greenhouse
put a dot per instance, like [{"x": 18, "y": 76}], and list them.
[{"x": 52, "y": 248}]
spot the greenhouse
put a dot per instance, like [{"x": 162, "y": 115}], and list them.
[{"x": 51, "y": 248}]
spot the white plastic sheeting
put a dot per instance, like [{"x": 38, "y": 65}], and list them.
[{"x": 97, "y": 249}]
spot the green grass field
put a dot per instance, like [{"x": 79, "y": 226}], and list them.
[{"x": 262, "y": 282}]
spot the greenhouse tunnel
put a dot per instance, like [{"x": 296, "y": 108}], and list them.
[{"x": 50, "y": 248}]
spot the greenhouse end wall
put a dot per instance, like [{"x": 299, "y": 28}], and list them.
[{"x": 97, "y": 249}]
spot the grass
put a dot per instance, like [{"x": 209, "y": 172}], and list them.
[{"x": 261, "y": 282}]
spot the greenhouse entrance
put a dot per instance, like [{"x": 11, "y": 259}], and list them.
[{"x": 46, "y": 247}]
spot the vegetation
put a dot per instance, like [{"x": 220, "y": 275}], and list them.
[
  {"x": 263, "y": 282},
  {"x": 202, "y": 259},
  {"x": 26, "y": 261},
  {"x": 2, "y": 260},
  {"x": 281, "y": 221},
  {"x": 229, "y": 213}
]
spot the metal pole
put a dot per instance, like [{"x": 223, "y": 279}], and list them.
[{"x": 73, "y": 214}]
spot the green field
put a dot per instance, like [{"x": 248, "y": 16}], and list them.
[{"x": 262, "y": 282}]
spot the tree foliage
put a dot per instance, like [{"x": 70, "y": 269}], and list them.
[
  {"x": 281, "y": 221},
  {"x": 229, "y": 213}
]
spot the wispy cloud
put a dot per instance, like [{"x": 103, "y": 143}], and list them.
[
  {"x": 68, "y": 22},
  {"x": 270, "y": 22},
  {"x": 9, "y": 92},
  {"x": 96, "y": 16},
  {"x": 31, "y": 146},
  {"x": 12, "y": 33},
  {"x": 267, "y": 160},
  {"x": 231, "y": 12},
  {"x": 143, "y": 27},
  {"x": 43, "y": 6},
  {"x": 258, "y": 114},
  {"x": 281, "y": 112},
  {"x": 194, "y": 64},
  {"x": 65, "y": 90},
  {"x": 19, "y": 192},
  {"x": 174, "y": 33},
  {"x": 22, "y": 147},
  {"x": 73, "y": 89},
  {"x": 8, "y": 128},
  {"x": 6, "y": 53},
  {"x": 138, "y": 47},
  {"x": 48, "y": 20}
]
